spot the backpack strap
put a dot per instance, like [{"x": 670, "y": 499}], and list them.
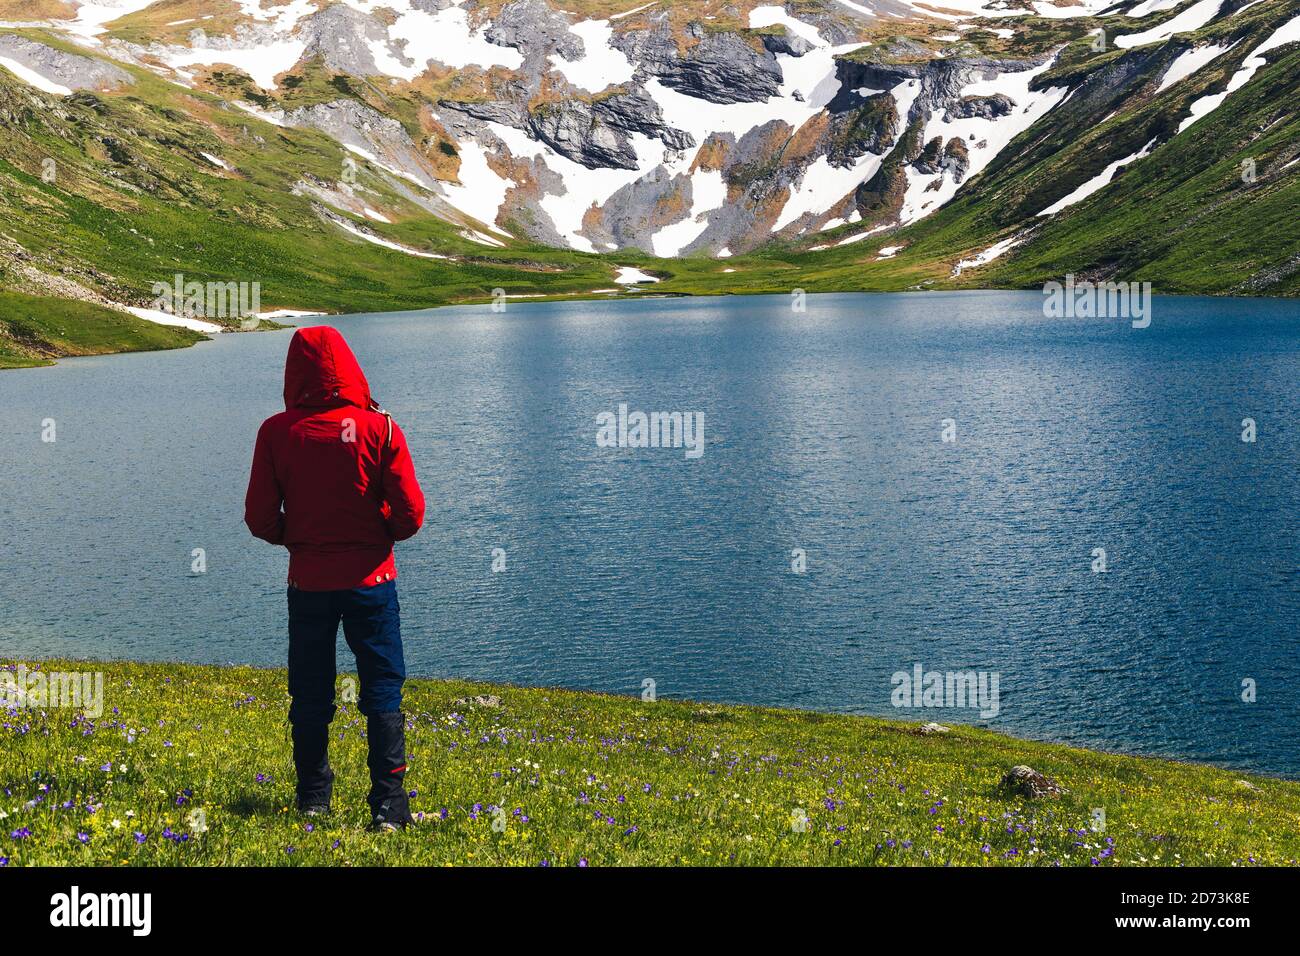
[{"x": 388, "y": 439}]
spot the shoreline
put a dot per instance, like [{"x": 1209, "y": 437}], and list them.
[
  {"x": 901, "y": 723},
  {"x": 190, "y": 766},
  {"x": 272, "y": 322}
]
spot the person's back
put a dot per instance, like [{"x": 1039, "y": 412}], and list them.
[{"x": 332, "y": 481}]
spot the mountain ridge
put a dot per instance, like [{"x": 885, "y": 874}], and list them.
[{"x": 729, "y": 147}]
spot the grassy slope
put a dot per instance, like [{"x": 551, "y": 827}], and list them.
[
  {"x": 611, "y": 780},
  {"x": 34, "y": 330}
]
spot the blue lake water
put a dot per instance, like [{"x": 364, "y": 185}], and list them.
[{"x": 823, "y": 433}]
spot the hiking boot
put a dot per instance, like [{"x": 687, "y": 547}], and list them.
[
  {"x": 381, "y": 824},
  {"x": 389, "y": 807},
  {"x": 311, "y": 761}
]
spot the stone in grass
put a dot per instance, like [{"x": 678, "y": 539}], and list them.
[
  {"x": 481, "y": 700},
  {"x": 925, "y": 730},
  {"x": 708, "y": 714},
  {"x": 1029, "y": 783}
]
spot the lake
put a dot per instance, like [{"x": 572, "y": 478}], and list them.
[{"x": 823, "y": 450}]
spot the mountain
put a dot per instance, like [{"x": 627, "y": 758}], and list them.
[{"x": 375, "y": 154}]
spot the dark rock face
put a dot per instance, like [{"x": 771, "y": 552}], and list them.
[
  {"x": 573, "y": 129},
  {"x": 1029, "y": 783},
  {"x": 867, "y": 129},
  {"x": 938, "y": 157},
  {"x": 720, "y": 67},
  {"x": 341, "y": 36},
  {"x": 787, "y": 43},
  {"x": 956, "y": 158},
  {"x": 595, "y": 133},
  {"x": 636, "y": 112},
  {"x": 536, "y": 31},
  {"x": 984, "y": 107},
  {"x": 939, "y": 83},
  {"x": 632, "y": 216},
  {"x": 931, "y": 159}
]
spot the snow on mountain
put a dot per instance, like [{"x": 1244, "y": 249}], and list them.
[
  {"x": 676, "y": 134},
  {"x": 1193, "y": 18},
  {"x": 1190, "y": 62},
  {"x": 984, "y": 136},
  {"x": 1287, "y": 33},
  {"x": 1098, "y": 182}
]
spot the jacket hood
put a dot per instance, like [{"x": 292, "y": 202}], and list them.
[{"x": 321, "y": 370}]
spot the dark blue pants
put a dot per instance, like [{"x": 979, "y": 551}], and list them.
[{"x": 372, "y": 628}]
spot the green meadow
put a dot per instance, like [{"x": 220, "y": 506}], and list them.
[{"x": 190, "y": 765}]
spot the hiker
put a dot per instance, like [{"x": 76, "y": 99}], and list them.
[{"x": 333, "y": 482}]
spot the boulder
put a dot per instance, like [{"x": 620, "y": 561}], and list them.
[{"x": 1027, "y": 782}]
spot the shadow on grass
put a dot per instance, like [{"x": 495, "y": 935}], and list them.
[{"x": 254, "y": 804}]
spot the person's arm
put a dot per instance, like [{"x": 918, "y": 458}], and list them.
[
  {"x": 405, "y": 512},
  {"x": 262, "y": 503}
]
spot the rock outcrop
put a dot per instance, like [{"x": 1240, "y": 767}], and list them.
[
  {"x": 68, "y": 70},
  {"x": 1027, "y": 782},
  {"x": 719, "y": 67}
]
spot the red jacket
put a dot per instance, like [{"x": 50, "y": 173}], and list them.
[{"x": 339, "y": 467}]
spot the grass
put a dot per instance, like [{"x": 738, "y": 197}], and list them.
[
  {"x": 584, "y": 777},
  {"x": 34, "y": 330}
]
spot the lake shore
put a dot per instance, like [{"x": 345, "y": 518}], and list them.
[
  {"x": 190, "y": 765},
  {"x": 74, "y": 329}
]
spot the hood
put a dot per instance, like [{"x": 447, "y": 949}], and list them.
[{"x": 321, "y": 370}]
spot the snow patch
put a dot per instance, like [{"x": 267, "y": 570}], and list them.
[
  {"x": 32, "y": 78},
  {"x": 1193, "y": 18},
  {"x": 708, "y": 192},
  {"x": 444, "y": 37},
  {"x": 263, "y": 62},
  {"x": 1098, "y": 182},
  {"x": 601, "y": 66},
  {"x": 630, "y": 276},
  {"x": 1289, "y": 32},
  {"x": 1189, "y": 62},
  {"x": 1147, "y": 7},
  {"x": 987, "y": 256},
  {"x": 216, "y": 160},
  {"x": 370, "y": 237},
  {"x": 822, "y": 185},
  {"x": 628, "y": 13},
  {"x": 159, "y": 317},
  {"x": 92, "y": 17}
]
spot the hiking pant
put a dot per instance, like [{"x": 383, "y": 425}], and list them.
[{"x": 372, "y": 628}]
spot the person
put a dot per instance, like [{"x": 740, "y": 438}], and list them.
[{"x": 333, "y": 482}]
